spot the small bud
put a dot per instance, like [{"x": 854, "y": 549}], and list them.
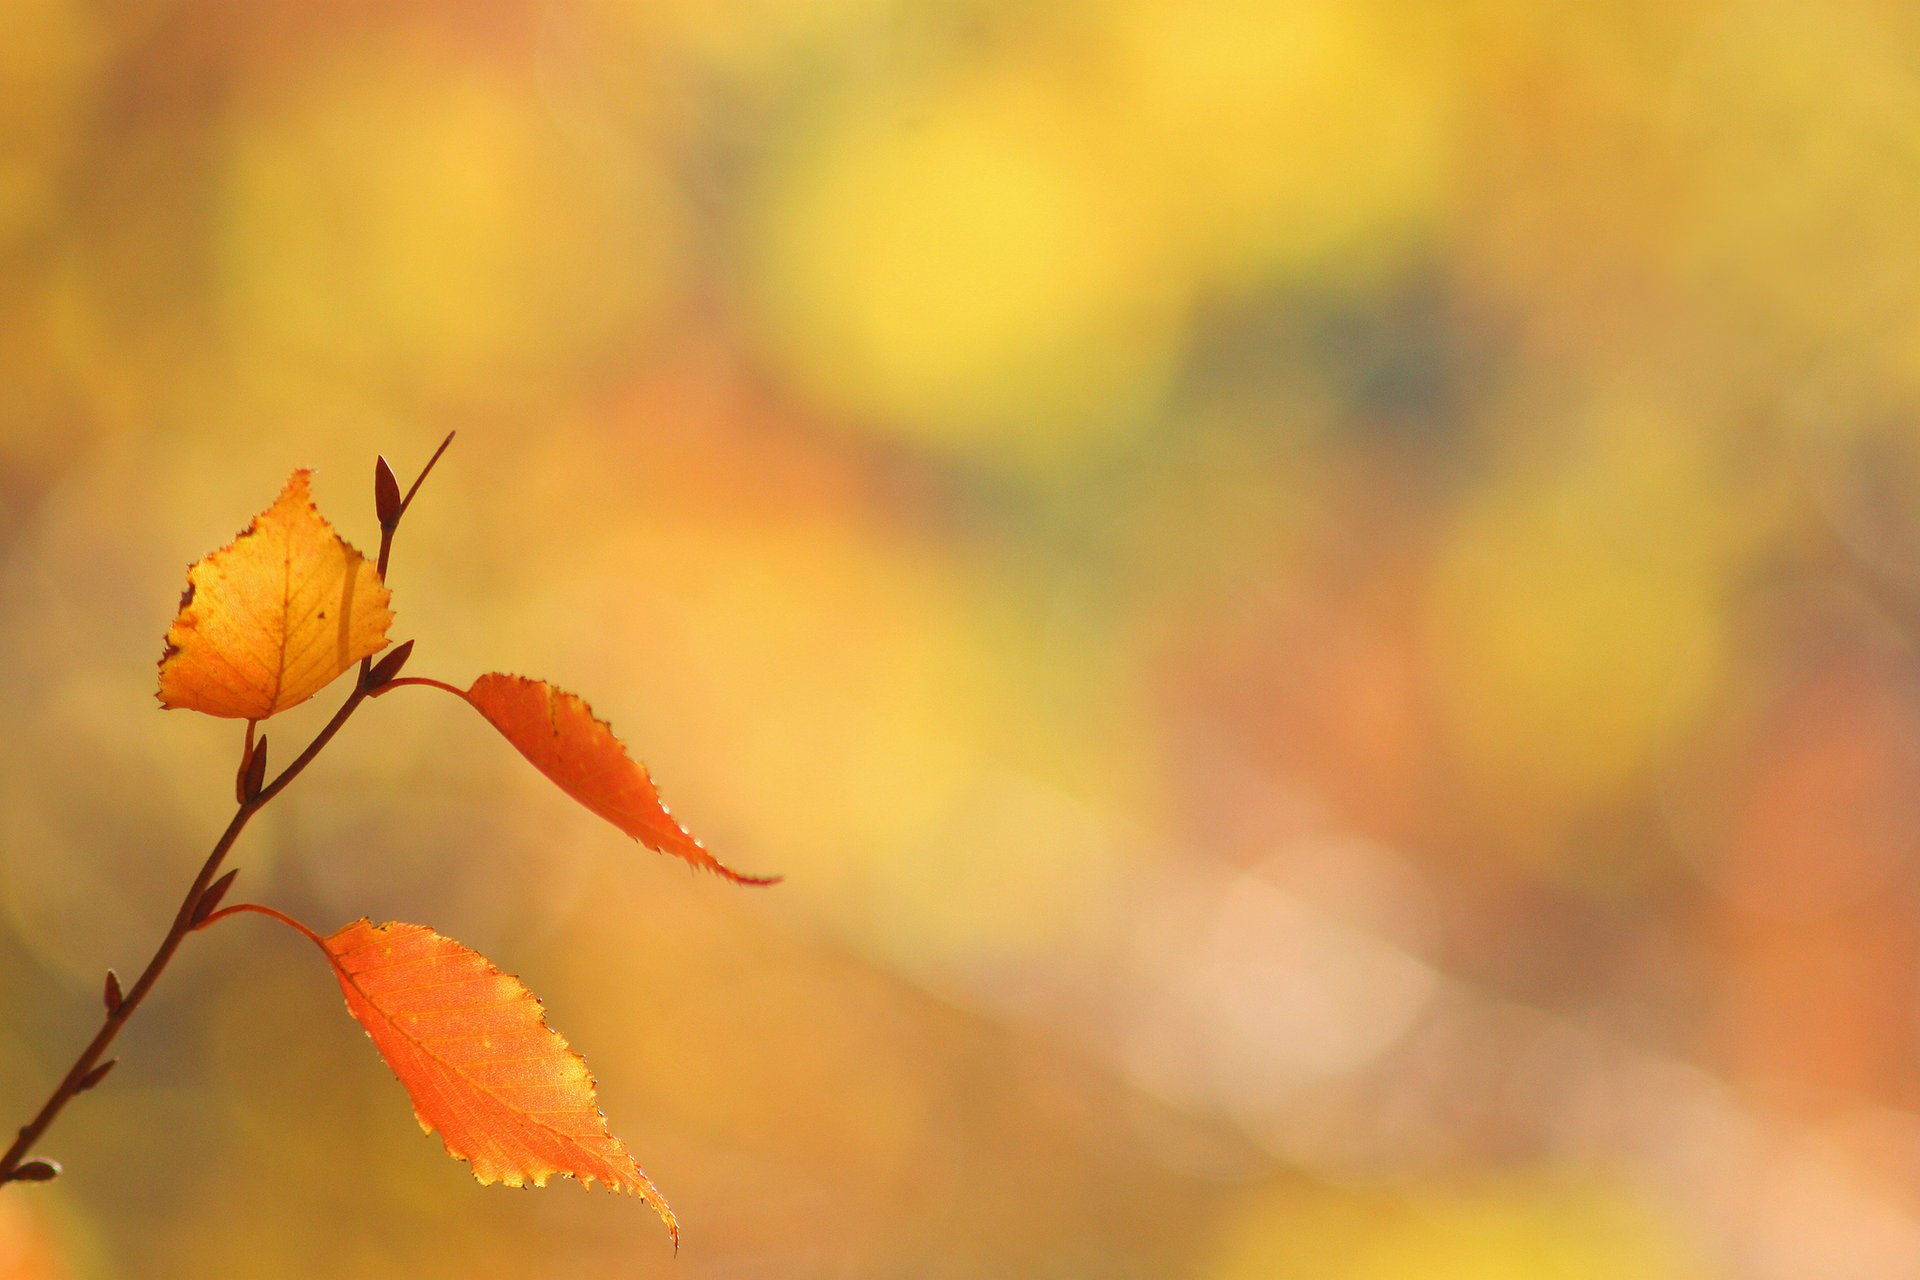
[
  {"x": 386, "y": 494},
  {"x": 389, "y": 666},
  {"x": 95, "y": 1076},
  {"x": 210, "y": 900},
  {"x": 112, "y": 996},
  {"x": 36, "y": 1171},
  {"x": 255, "y": 776}
]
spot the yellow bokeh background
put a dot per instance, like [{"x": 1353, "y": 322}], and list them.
[{"x": 1316, "y": 601}]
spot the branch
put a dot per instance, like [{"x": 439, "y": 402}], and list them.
[
  {"x": 83, "y": 1074},
  {"x": 116, "y": 1018}
]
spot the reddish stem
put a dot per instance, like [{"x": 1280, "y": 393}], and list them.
[
  {"x": 260, "y": 909},
  {"x": 428, "y": 681}
]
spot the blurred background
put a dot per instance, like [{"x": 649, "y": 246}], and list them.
[{"x": 1318, "y": 602}]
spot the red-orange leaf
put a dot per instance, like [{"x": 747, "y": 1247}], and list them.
[
  {"x": 559, "y": 733},
  {"x": 271, "y": 620},
  {"x": 471, "y": 1045}
]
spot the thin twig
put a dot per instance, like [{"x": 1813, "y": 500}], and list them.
[{"x": 421, "y": 478}]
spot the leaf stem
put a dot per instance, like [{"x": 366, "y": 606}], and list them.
[
  {"x": 261, "y": 909},
  {"x": 428, "y": 681}
]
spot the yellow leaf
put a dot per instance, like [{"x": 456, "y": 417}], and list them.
[{"x": 271, "y": 620}]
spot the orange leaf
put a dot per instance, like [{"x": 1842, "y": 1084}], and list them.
[
  {"x": 269, "y": 621},
  {"x": 559, "y": 733},
  {"x": 473, "y": 1049}
]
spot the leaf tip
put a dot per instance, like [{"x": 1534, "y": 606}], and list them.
[{"x": 752, "y": 882}]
